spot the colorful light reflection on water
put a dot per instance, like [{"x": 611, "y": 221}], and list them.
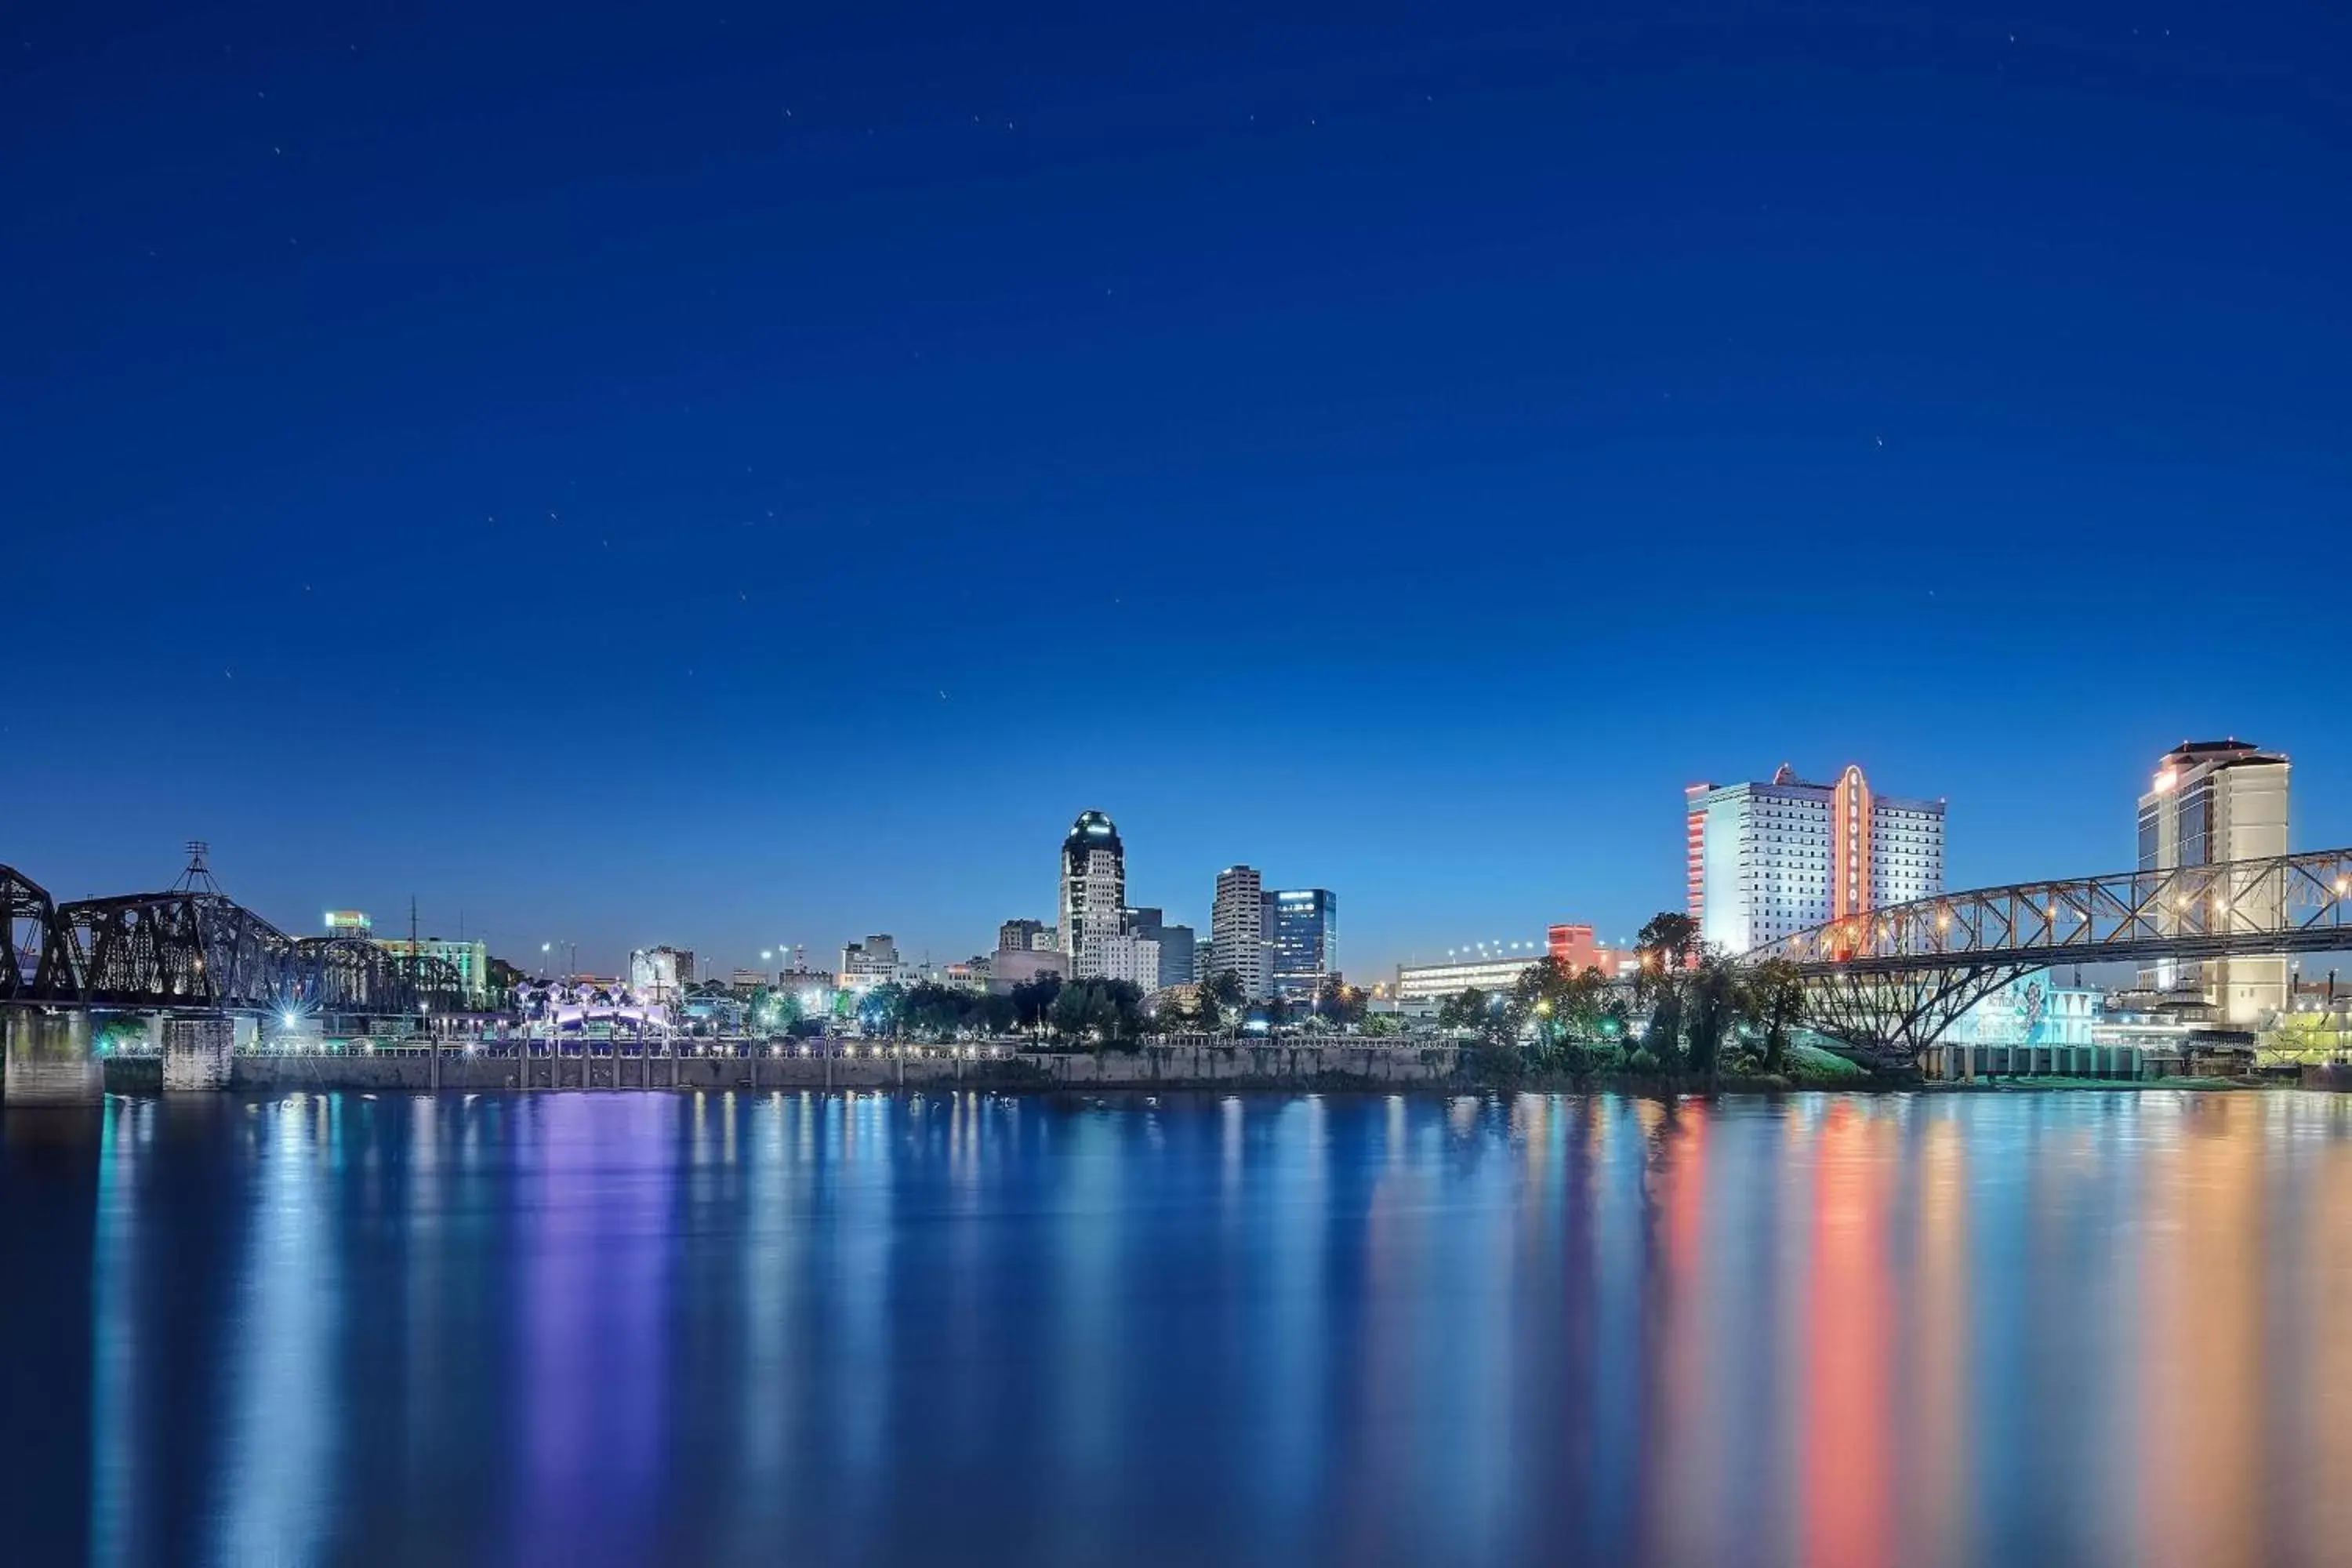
[{"x": 2082, "y": 1328}]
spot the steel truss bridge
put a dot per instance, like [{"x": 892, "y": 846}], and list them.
[
  {"x": 192, "y": 947},
  {"x": 1889, "y": 982}
]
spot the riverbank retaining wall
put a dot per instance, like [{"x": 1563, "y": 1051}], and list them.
[{"x": 1182, "y": 1065}]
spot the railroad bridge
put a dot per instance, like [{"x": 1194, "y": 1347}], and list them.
[{"x": 197, "y": 965}]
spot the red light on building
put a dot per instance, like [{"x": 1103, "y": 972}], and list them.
[
  {"x": 1574, "y": 948},
  {"x": 1695, "y": 855}
]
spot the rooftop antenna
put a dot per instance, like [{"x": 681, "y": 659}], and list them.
[{"x": 199, "y": 877}]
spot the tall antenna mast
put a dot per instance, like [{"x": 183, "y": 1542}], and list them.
[{"x": 199, "y": 877}]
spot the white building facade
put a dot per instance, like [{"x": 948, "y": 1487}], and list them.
[
  {"x": 868, "y": 964},
  {"x": 1764, "y": 862},
  {"x": 1238, "y": 934},
  {"x": 2210, "y": 801},
  {"x": 1132, "y": 958},
  {"x": 1436, "y": 982}
]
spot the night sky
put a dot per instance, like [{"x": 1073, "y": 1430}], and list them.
[{"x": 728, "y": 474}]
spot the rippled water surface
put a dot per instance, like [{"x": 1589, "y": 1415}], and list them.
[{"x": 654, "y": 1328}]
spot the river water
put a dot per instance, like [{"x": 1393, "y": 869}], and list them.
[{"x": 655, "y": 1328}]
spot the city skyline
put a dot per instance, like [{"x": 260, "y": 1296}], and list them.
[
  {"x": 764, "y": 480},
  {"x": 725, "y": 950},
  {"x": 1173, "y": 785}
]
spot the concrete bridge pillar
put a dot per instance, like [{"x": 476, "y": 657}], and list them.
[
  {"x": 198, "y": 1051},
  {"x": 49, "y": 1059}
]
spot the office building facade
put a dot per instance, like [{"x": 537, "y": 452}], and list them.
[
  {"x": 1093, "y": 892},
  {"x": 1179, "y": 961},
  {"x": 1305, "y": 940},
  {"x": 2210, "y": 802},
  {"x": 1134, "y": 959},
  {"x": 1763, "y": 861},
  {"x": 1176, "y": 959},
  {"x": 868, "y": 964},
  {"x": 1237, "y": 930},
  {"x": 471, "y": 960}
]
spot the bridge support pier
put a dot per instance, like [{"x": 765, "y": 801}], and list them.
[
  {"x": 48, "y": 1058},
  {"x": 198, "y": 1052}
]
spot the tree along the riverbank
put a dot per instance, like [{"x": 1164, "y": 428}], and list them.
[
  {"x": 1693, "y": 1014},
  {"x": 1211, "y": 1007},
  {"x": 1098, "y": 1011}
]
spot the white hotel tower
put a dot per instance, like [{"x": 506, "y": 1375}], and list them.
[{"x": 1766, "y": 860}]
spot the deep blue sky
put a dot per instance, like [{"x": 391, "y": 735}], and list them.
[{"x": 729, "y": 474}]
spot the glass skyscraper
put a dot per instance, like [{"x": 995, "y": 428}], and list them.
[{"x": 1306, "y": 940}]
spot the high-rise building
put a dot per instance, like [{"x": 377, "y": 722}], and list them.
[
  {"x": 1237, "y": 930},
  {"x": 2213, "y": 801},
  {"x": 1305, "y": 942},
  {"x": 1764, "y": 862},
  {"x": 1132, "y": 958},
  {"x": 1175, "y": 943},
  {"x": 1094, "y": 892},
  {"x": 1018, "y": 936}
]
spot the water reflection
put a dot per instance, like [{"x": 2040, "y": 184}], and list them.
[{"x": 864, "y": 1328}]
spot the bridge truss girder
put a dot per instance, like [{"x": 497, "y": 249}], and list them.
[
  {"x": 1887, "y": 1019},
  {"x": 347, "y": 975},
  {"x": 39, "y": 965},
  {"x": 353, "y": 977},
  {"x": 179, "y": 949},
  {"x": 193, "y": 948},
  {"x": 2285, "y": 903}
]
